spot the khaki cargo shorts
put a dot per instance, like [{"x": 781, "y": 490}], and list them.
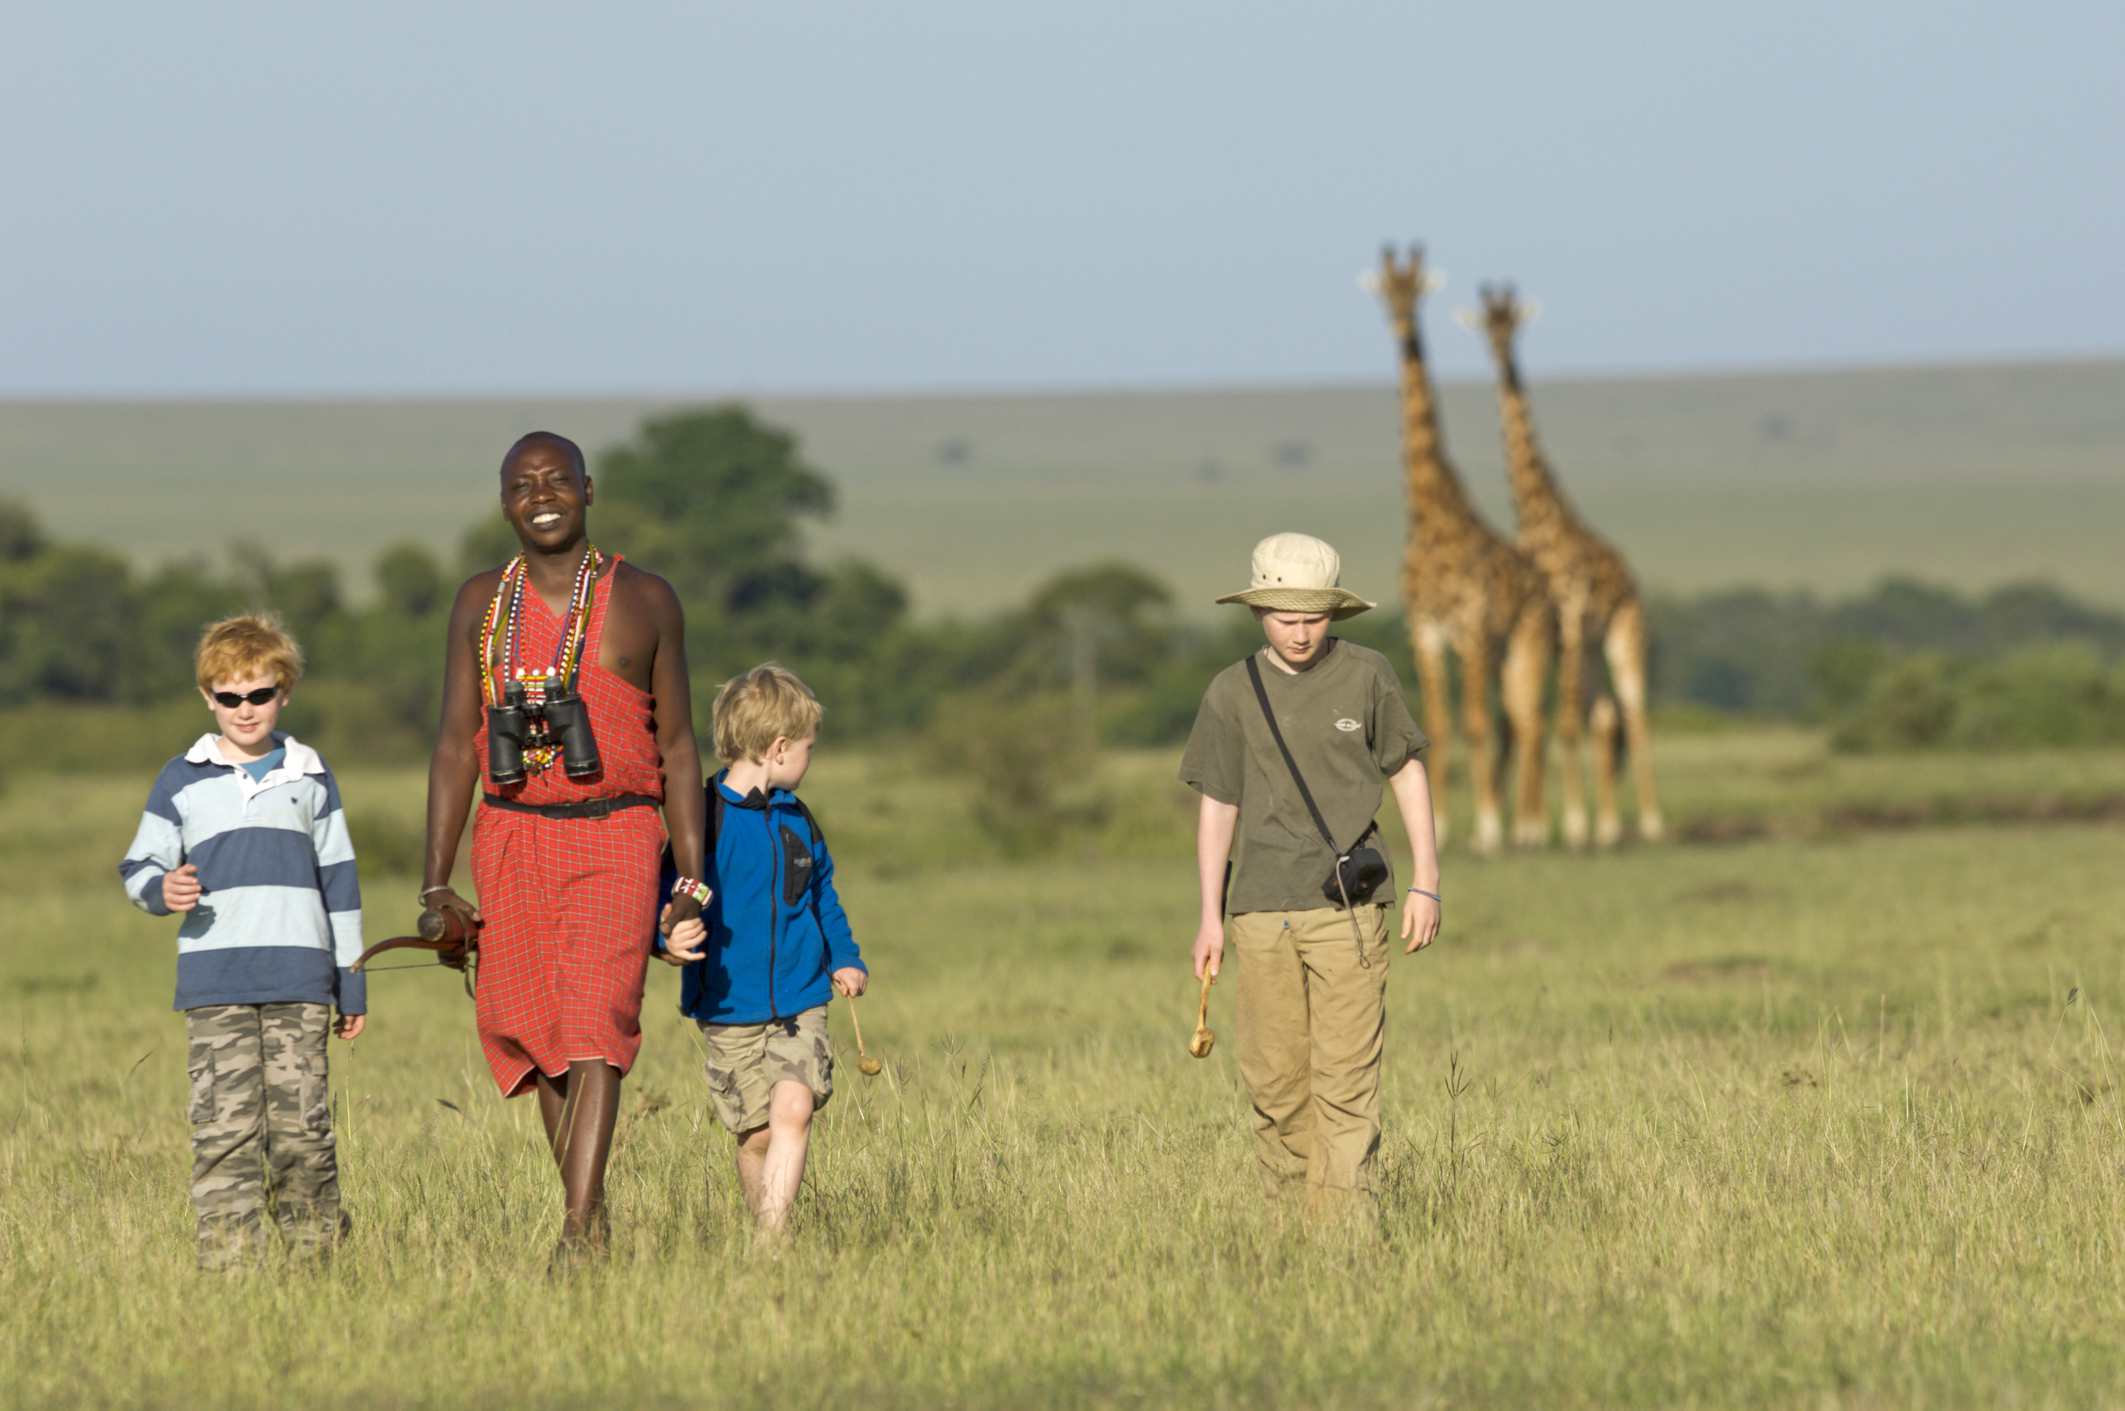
[{"x": 745, "y": 1061}]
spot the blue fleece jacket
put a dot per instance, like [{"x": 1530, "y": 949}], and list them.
[{"x": 776, "y": 930}]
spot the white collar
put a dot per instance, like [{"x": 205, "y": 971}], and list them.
[{"x": 300, "y": 759}]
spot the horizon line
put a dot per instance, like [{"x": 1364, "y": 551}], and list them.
[{"x": 997, "y": 391}]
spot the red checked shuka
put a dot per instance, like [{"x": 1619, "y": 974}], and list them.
[{"x": 569, "y": 903}]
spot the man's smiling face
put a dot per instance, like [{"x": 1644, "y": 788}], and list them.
[{"x": 544, "y": 494}]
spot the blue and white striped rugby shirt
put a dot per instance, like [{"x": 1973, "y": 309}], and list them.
[{"x": 280, "y": 912}]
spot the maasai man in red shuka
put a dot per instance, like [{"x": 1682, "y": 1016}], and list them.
[{"x": 565, "y": 698}]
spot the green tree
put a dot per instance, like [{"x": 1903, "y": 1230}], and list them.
[
  {"x": 395, "y": 649},
  {"x": 1903, "y": 612},
  {"x": 409, "y": 580},
  {"x": 715, "y": 501},
  {"x": 305, "y": 593},
  {"x": 2021, "y": 614},
  {"x": 723, "y": 472},
  {"x": 1105, "y": 622},
  {"x": 174, "y": 604},
  {"x": 21, "y": 536},
  {"x": 67, "y": 622},
  {"x": 487, "y": 543}
]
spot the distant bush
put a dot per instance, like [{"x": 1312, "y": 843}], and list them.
[
  {"x": 1030, "y": 768},
  {"x": 1908, "y": 705},
  {"x": 1793, "y": 656},
  {"x": 2058, "y": 695}
]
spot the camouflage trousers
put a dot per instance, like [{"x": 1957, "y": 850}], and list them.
[
  {"x": 261, "y": 1122},
  {"x": 745, "y": 1061}
]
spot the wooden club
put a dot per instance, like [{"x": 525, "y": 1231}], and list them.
[{"x": 1199, "y": 1044}]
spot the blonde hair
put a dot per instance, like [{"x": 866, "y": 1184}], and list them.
[
  {"x": 755, "y": 709},
  {"x": 254, "y": 644}
]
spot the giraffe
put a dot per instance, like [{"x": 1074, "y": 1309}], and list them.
[
  {"x": 1596, "y": 599},
  {"x": 1466, "y": 589}
]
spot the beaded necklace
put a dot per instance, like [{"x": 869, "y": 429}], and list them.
[{"x": 540, "y": 751}]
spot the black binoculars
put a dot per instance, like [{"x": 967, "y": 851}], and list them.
[{"x": 560, "y": 719}]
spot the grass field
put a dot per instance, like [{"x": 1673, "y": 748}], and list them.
[
  {"x": 1970, "y": 476},
  {"x": 1827, "y": 1117}
]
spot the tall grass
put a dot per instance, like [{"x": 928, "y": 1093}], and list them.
[{"x": 1807, "y": 1120}]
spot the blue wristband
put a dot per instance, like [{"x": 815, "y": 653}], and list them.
[{"x": 1433, "y": 895}]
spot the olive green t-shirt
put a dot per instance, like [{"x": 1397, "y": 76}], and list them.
[{"x": 1347, "y": 727}]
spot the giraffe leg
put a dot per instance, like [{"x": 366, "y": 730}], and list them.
[
  {"x": 1608, "y": 820},
  {"x": 1527, "y": 656},
  {"x": 1571, "y": 719},
  {"x": 1482, "y": 735},
  {"x": 1626, "y": 645},
  {"x": 1429, "y": 642}
]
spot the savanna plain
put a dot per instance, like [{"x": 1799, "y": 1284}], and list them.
[
  {"x": 1825, "y": 480},
  {"x": 1816, "y": 1106}
]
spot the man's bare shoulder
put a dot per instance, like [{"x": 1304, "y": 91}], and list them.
[
  {"x": 483, "y": 582},
  {"x": 642, "y": 590},
  {"x": 477, "y": 589}
]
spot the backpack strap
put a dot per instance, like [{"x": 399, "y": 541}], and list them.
[
  {"x": 818, "y": 833},
  {"x": 819, "y": 840},
  {"x": 715, "y": 827}
]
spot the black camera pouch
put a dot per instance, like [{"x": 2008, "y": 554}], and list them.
[{"x": 1357, "y": 875}]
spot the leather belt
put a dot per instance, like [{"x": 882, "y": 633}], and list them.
[{"x": 588, "y": 808}]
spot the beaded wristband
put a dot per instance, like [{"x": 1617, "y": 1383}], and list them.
[
  {"x": 688, "y": 887},
  {"x": 1433, "y": 895}
]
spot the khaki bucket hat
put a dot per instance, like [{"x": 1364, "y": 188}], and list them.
[{"x": 1298, "y": 573}]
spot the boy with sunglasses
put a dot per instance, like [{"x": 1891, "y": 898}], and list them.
[{"x": 244, "y": 836}]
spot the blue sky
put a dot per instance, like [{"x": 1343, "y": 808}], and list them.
[{"x": 443, "y": 199}]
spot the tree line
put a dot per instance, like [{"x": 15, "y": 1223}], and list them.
[{"x": 716, "y": 500}]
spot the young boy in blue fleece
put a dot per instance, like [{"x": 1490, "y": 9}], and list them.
[
  {"x": 772, "y": 943},
  {"x": 244, "y": 837}
]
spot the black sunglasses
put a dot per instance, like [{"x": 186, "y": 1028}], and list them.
[{"x": 230, "y": 700}]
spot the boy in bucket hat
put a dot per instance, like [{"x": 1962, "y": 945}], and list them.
[{"x": 1288, "y": 752}]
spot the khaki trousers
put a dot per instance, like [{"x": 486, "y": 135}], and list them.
[{"x": 1312, "y": 1020}]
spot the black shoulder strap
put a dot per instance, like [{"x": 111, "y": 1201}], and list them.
[
  {"x": 1261, "y": 693},
  {"x": 818, "y": 837},
  {"x": 818, "y": 833}
]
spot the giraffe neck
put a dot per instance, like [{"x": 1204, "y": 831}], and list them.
[
  {"x": 1537, "y": 500},
  {"x": 1436, "y": 496}
]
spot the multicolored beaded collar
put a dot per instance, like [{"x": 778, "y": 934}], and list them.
[{"x": 567, "y": 653}]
